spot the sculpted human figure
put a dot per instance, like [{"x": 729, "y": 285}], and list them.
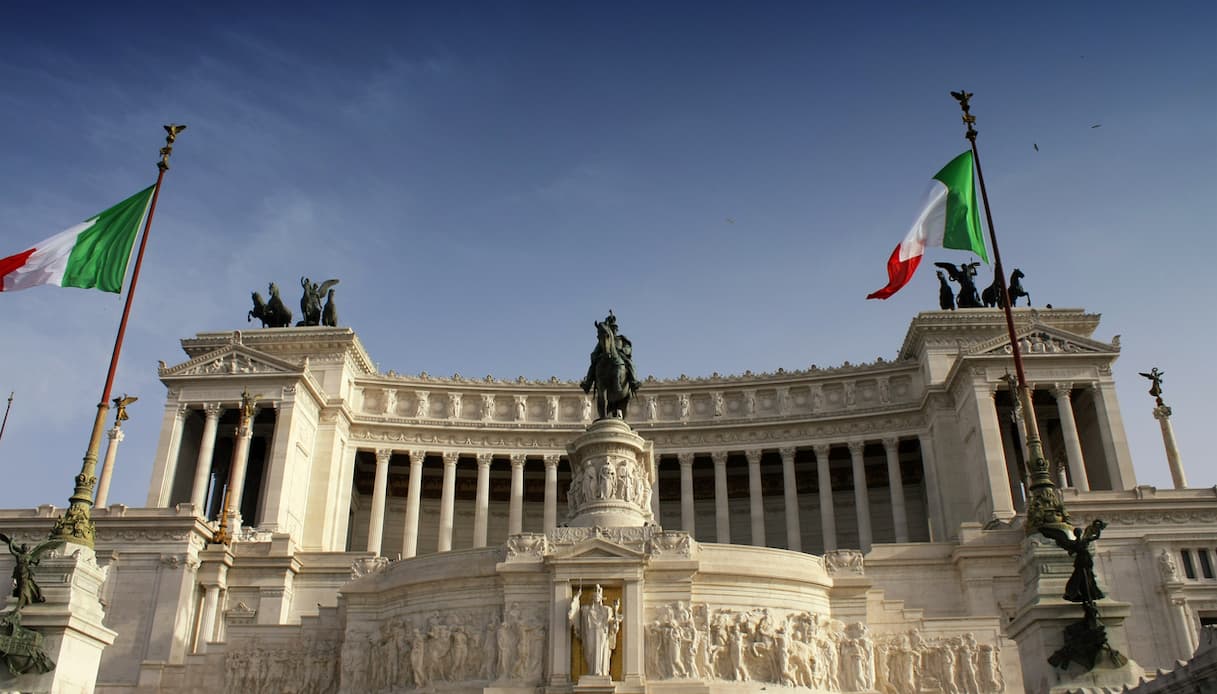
[
  {"x": 967, "y": 664},
  {"x": 505, "y": 640},
  {"x": 608, "y": 481},
  {"x": 652, "y": 408},
  {"x": 611, "y": 371},
  {"x": 554, "y": 408},
  {"x": 418, "y": 657},
  {"x": 25, "y": 588},
  {"x": 597, "y": 625},
  {"x": 627, "y": 481},
  {"x": 684, "y": 406},
  {"x": 423, "y": 407},
  {"x": 1081, "y": 586}
]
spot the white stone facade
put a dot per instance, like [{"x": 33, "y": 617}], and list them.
[{"x": 854, "y": 528}]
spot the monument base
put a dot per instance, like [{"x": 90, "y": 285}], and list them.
[{"x": 70, "y": 622}]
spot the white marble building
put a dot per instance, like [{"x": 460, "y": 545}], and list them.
[{"x": 854, "y": 528}]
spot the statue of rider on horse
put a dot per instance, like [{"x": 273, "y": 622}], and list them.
[{"x": 611, "y": 371}]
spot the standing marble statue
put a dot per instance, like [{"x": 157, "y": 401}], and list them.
[{"x": 596, "y": 625}]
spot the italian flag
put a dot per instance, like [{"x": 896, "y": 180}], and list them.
[
  {"x": 947, "y": 219},
  {"x": 92, "y": 254}
]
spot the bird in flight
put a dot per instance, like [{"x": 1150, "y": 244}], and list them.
[
  {"x": 1037, "y": 147},
  {"x": 730, "y": 220},
  {"x": 1096, "y": 125}
]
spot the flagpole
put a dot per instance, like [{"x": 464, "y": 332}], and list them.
[
  {"x": 1045, "y": 508},
  {"x": 76, "y": 523},
  {"x": 4, "y": 424}
]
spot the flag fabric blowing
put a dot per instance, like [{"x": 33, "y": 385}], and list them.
[
  {"x": 948, "y": 218},
  {"x": 89, "y": 255}
]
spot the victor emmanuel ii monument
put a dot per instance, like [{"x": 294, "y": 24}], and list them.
[{"x": 316, "y": 525}]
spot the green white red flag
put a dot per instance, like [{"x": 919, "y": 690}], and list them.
[
  {"x": 948, "y": 219},
  {"x": 89, "y": 255}
]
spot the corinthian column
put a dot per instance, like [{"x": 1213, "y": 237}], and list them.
[
  {"x": 794, "y": 535},
  {"x": 551, "y": 493},
  {"x": 515, "y": 511},
  {"x": 861, "y": 495},
  {"x": 240, "y": 460},
  {"x": 722, "y": 511},
  {"x": 1162, "y": 413},
  {"x": 447, "y": 502},
  {"x": 828, "y": 519},
  {"x": 687, "y": 512},
  {"x": 756, "y": 507},
  {"x": 376, "y": 520},
  {"x": 895, "y": 483},
  {"x": 413, "y": 497},
  {"x": 481, "y": 504},
  {"x": 202, "y": 468},
  {"x": 1069, "y": 431},
  {"x": 107, "y": 469}
]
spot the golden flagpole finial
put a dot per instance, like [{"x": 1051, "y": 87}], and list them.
[{"x": 964, "y": 97}]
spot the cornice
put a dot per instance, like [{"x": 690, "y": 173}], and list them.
[
  {"x": 292, "y": 344},
  {"x": 969, "y": 324}
]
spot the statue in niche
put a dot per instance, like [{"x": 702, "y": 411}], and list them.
[
  {"x": 310, "y": 301},
  {"x": 967, "y": 297},
  {"x": 611, "y": 372},
  {"x": 684, "y": 406},
  {"x": 273, "y": 313},
  {"x": 652, "y": 408},
  {"x": 597, "y": 625}
]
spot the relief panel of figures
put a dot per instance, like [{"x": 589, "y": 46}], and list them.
[{"x": 802, "y": 649}]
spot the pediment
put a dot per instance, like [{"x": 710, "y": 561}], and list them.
[
  {"x": 230, "y": 360},
  {"x": 598, "y": 549},
  {"x": 1039, "y": 339}
]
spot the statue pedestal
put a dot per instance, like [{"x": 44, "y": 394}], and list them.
[
  {"x": 1039, "y": 625},
  {"x": 595, "y": 684},
  {"x": 613, "y": 474},
  {"x": 70, "y": 622}
]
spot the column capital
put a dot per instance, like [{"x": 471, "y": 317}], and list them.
[
  {"x": 787, "y": 453},
  {"x": 450, "y": 458},
  {"x": 383, "y": 455},
  {"x": 685, "y": 459},
  {"x": 484, "y": 459},
  {"x": 1061, "y": 391},
  {"x": 213, "y": 410},
  {"x": 517, "y": 459},
  {"x": 417, "y": 456},
  {"x": 180, "y": 410},
  {"x": 1162, "y": 412},
  {"x": 754, "y": 456},
  {"x": 856, "y": 447},
  {"x": 719, "y": 458},
  {"x": 245, "y": 430},
  {"x": 822, "y": 450},
  {"x": 551, "y": 460},
  {"x": 891, "y": 443},
  {"x": 116, "y": 433}
]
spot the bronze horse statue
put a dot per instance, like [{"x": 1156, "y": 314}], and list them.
[
  {"x": 610, "y": 372},
  {"x": 992, "y": 295},
  {"x": 273, "y": 313}
]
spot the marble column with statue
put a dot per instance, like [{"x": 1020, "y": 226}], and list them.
[{"x": 1162, "y": 413}]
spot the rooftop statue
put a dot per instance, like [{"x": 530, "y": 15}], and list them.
[
  {"x": 946, "y": 297},
  {"x": 992, "y": 295},
  {"x": 310, "y": 301},
  {"x": 967, "y": 297},
  {"x": 611, "y": 371},
  {"x": 273, "y": 313}
]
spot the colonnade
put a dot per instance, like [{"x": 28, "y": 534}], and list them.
[
  {"x": 447, "y": 506},
  {"x": 376, "y": 515},
  {"x": 793, "y": 526}
]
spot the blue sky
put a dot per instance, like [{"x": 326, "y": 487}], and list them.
[{"x": 488, "y": 178}]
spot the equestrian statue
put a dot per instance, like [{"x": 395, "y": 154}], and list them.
[
  {"x": 611, "y": 372},
  {"x": 992, "y": 295},
  {"x": 310, "y": 301},
  {"x": 273, "y": 313},
  {"x": 967, "y": 297}
]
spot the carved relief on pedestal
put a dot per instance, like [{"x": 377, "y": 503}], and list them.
[
  {"x": 804, "y": 649},
  {"x": 611, "y": 477},
  {"x": 422, "y": 650},
  {"x": 844, "y": 561}
]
